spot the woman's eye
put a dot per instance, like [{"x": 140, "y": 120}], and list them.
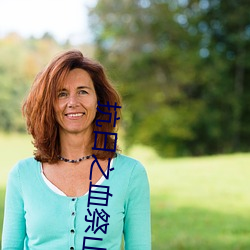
[
  {"x": 82, "y": 92},
  {"x": 62, "y": 94}
]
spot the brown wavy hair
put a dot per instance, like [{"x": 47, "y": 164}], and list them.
[{"x": 40, "y": 115}]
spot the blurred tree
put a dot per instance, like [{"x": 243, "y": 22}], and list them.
[
  {"x": 12, "y": 83},
  {"x": 20, "y": 61},
  {"x": 224, "y": 27},
  {"x": 181, "y": 67}
]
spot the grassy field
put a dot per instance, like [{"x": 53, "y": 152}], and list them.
[{"x": 197, "y": 203}]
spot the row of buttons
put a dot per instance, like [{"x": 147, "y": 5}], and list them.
[{"x": 72, "y": 230}]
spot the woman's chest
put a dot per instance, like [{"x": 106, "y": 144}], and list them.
[{"x": 73, "y": 182}]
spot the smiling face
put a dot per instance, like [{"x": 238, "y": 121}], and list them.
[{"x": 76, "y": 102}]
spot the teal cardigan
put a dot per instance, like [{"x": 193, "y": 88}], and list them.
[{"x": 36, "y": 218}]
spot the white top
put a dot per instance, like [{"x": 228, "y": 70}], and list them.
[{"x": 58, "y": 191}]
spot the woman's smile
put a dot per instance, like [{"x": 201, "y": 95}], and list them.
[{"x": 75, "y": 116}]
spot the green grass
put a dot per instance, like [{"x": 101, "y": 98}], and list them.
[
  {"x": 13, "y": 147},
  {"x": 197, "y": 203}
]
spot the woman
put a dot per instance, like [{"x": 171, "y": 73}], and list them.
[{"x": 77, "y": 192}]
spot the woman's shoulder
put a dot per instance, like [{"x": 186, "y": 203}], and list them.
[
  {"x": 121, "y": 158},
  {"x": 24, "y": 166},
  {"x": 128, "y": 164},
  {"x": 131, "y": 173}
]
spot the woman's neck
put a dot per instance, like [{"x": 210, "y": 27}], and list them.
[{"x": 74, "y": 146}]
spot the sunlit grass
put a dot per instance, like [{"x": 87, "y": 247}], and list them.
[
  {"x": 199, "y": 203},
  {"x": 13, "y": 147}
]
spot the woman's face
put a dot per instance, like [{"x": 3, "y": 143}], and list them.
[{"x": 75, "y": 106}]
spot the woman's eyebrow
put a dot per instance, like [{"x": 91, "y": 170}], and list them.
[
  {"x": 63, "y": 89},
  {"x": 79, "y": 87},
  {"x": 83, "y": 87}
]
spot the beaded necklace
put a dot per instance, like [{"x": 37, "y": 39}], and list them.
[{"x": 74, "y": 161}]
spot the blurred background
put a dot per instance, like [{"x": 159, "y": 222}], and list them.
[{"x": 183, "y": 70}]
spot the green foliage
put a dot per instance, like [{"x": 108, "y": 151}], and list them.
[
  {"x": 20, "y": 61},
  {"x": 182, "y": 68}
]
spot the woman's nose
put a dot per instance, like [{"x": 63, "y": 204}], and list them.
[{"x": 73, "y": 102}]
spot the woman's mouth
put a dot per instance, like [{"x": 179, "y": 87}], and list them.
[{"x": 74, "y": 115}]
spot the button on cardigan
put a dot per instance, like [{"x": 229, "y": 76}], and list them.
[{"x": 36, "y": 218}]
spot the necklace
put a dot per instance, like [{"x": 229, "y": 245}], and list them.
[{"x": 74, "y": 161}]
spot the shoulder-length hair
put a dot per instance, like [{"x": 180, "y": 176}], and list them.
[{"x": 40, "y": 115}]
